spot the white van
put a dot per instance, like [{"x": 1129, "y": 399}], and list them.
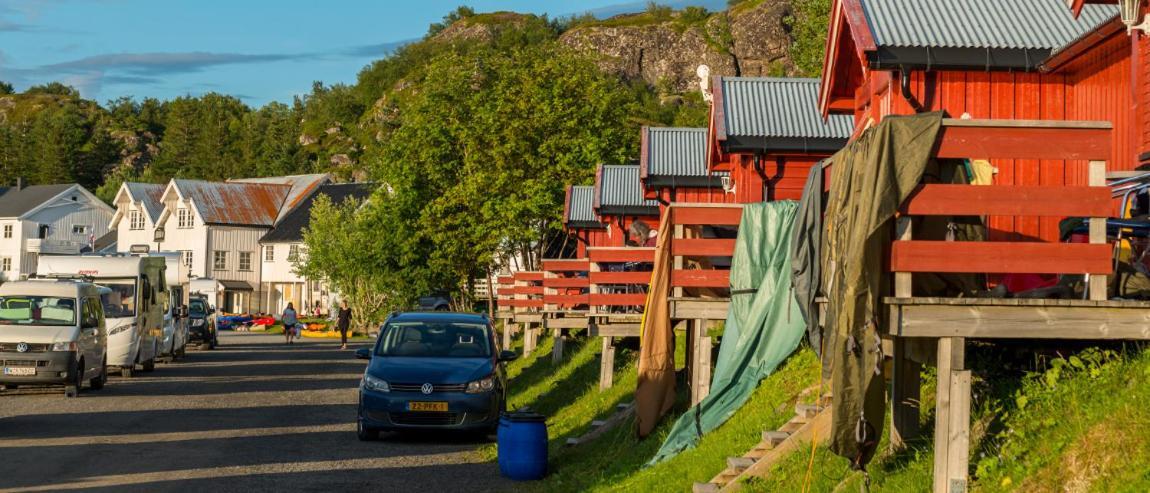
[
  {"x": 52, "y": 332},
  {"x": 133, "y": 304}
]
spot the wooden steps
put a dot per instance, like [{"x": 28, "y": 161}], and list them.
[
  {"x": 599, "y": 427},
  {"x": 774, "y": 445}
]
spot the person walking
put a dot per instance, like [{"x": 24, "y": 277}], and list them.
[
  {"x": 290, "y": 320},
  {"x": 343, "y": 322}
]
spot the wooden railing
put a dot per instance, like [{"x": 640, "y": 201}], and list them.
[
  {"x": 526, "y": 292},
  {"x": 691, "y": 251},
  {"x": 565, "y": 284},
  {"x": 614, "y": 290}
]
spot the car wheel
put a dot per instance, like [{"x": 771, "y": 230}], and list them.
[
  {"x": 98, "y": 382},
  {"x": 364, "y": 433},
  {"x": 72, "y": 388}
]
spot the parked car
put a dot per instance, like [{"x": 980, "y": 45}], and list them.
[
  {"x": 432, "y": 370},
  {"x": 436, "y": 302},
  {"x": 52, "y": 332},
  {"x": 202, "y": 323}
]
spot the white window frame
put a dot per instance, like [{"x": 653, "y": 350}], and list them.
[
  {"x": 185, "y": 219},
  {"x": 187, "y": 258},
  {"x": 81, "y": 229},
  {"x": 248, "y": 257},
  {"x": 293, "y": 253},
  {"x": 135, "y": 220},
  {"x": 8, "y": 230},
  {"x": 219, "y": 260},
  {"x": 5, "y": 264},
  {"x": 269, "y": 253}
]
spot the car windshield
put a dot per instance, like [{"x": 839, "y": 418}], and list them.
[
  {"x": 197, "y": 308},
  {"x": 121, "y": 301},
  {"x": 37, "y": 310},
  {"x": 435, "y": 339}
]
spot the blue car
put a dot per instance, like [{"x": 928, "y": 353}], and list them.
[{"x": 432, "y": 370}]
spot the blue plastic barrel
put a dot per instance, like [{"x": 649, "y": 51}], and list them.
[{"x": 522, "y": 440}]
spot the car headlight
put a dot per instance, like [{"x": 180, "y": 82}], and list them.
[
  {"x": 197, "y": 322},
  {"x": 122, "y": 328},
  {"x": 481, "y": 385},
  {"x": 371, "y": 383},
  {"x": 64, "y": 346}
]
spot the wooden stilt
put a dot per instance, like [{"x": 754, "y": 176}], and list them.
[
  {"x": 528, "y": 339},
  {"x": 607, "y": 364},
  {"x": 508, "y": 328},
  {"x": 950, "y": 421},
  {"x": 905, "y": 387},
  {"x": 700, "y": 351},
  {"x": 557, "y": 346}
]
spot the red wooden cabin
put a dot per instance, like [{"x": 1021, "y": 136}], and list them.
[
  {"x": 767, "y": 132},
  {"x": 580, "y": 220},
  {"x": 619, "y": 201},
  {"x": 673, "y": 167}
]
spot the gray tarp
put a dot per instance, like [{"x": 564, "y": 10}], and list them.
[
  {"x": 870, "y": 178},
  {"x": 763, "y": 325},
  {"x": 805, "y": 255}
]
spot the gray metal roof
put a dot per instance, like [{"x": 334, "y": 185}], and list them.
[
  {"x": 580, "y": 205},
  {"x": 675, "y": 151},
  {"x": 15, "y": 202},
  {"x": 990, "y": 24},
  {"x": 149, "y": 194},
  {"x": 619, "y": 187},
  {"x": 774, "y": 107},
  {"x": 291, "y": 225}
]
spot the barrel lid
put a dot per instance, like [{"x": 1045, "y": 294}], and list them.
[{"x": 524, "y": 417}]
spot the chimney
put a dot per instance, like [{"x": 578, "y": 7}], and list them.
[{"x": 19, "y": 183}]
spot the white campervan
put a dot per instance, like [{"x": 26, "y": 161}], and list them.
[
  {"x": 175, "y": 341},
  {"x": 133, "y": 303},
  {"x": 52, "y": 332}
]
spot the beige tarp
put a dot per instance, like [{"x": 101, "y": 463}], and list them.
[{"x": 655, "y": 393}]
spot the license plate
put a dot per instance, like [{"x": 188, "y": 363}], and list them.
[
  {"x": 435, "y": 407},
  {"x": 28, "y": 372}
]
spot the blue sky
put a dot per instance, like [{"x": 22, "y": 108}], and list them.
[{"x": 259, "y": 50}]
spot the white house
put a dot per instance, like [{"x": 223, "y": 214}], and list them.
[
  {"x": 36, "y": 220},
  {"x": 215, "y": 226},
  {"x": 284, "y": 243}
]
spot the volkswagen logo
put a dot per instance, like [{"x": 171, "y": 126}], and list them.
[
  {"x": 22, "y": 347},
  {"x": 427, "y": 388}
]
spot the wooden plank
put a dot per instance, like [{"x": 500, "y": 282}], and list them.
[
  {"x": 1008, "y": 200},
  {"x": 1024, "y": 322},
  {"x": 1096, "y": 286},
  {"x": 636, "y": 254},
  {"x": 705, "y": 247},
  {"x": 816, "y": 431},
  {"x": 642, "y": 277},
  {"x": 556, "y": 346},
  {"x": 566, "y": 323},
  {"x": 607, "y": 364},
  {"x": 614, "y": 330},
  {"x": 566, "y": 282},
  {"x": 696, "y": 215},
  {"x": 528, "y": 318},
  {"x": 506, "y": 279},
  {"x": 951, "y": 356},
  {"x": 958, "y": 455},
  {"x": 906, "y": 387},
  {"x": 696, "y": 278},
  {"x": 566, "y": 299},
  {"x": 537, "y": 303},
  {"x": 608, "y": 299},
  {"x": 527, "y": 290},
  {"x": 528, "y": 276},
  {"x": 702, "y": 370},
  {"x": 1040, "y": 302},
  {"x": 1000, "y": 257},
  {"x": 565, "y": 265},
  {"x": 1024, "y": 142},
  {"x": 696, "y": 308}
]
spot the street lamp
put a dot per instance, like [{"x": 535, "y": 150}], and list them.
[{"x": 158, "y": 237}]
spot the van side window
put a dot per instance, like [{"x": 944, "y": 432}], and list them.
[{"x": 91, "y": 314}]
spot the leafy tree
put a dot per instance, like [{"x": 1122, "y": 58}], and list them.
[
  {"x": 808, "y": 24},
  {"x": 461, "y": 12},
  {"x": 6, "y": 88},
  {"x": 55, "y": 89}
]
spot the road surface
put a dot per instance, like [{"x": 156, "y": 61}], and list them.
[{"x": 253, "y": 415}]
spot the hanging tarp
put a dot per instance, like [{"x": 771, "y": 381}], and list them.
[
  {"x": 655, "y": 393},
  {"x": 805, "y": 242},
  {"x": 870, "y": 179},
  {"x": 763, "y": 324}
]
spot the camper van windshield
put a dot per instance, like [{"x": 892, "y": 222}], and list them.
[
  {"x": 37, "y": 310},
  {"x": 121, "y": 302}
]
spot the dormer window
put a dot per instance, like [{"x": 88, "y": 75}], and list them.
[
  {"x": 184, "y": 218},
  {"x": 135, "y": 220}
]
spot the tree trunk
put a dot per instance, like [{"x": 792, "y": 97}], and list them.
[{"x": 490, "y": 295}]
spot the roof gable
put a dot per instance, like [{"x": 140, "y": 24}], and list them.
[
  {"x": 774, "y": 114},
  {"x": 579, "y": 211},
  {"x": 149, "y": 195},
  {"x": 302, "y": 187},
  {"x": 19, "y": 202}
]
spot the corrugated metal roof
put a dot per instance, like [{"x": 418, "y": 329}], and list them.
[
  {"x": 240, "y": 204},
  {"x": 149, "y": 194},
  {"x": 15, "y": 202},
  {"x": 676, "y": 151},
  {"x": 991, "y": 24},
  {"x": 290, "y": 227},
  {"x": 778, "y": 108},
  {"x": 302, "y": 187},
  {"x": 580, "y": 209},
  {"x": 620, "y": 187}
]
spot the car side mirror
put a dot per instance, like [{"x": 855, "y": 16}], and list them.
[
  {"x": 508, "y": 356},
  {"x": 363, "y": 353}
]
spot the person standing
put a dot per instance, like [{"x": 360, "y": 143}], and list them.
[
  {"x": 290, "y": 320},
  {"x": 343, "y": 322}
]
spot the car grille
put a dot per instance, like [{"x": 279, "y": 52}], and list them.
[
  {"x": 10, "y": 347},
  {"x": 418, "y": 387},
  {"x": 426, "y": 419},
  {"x": 12, "y": 363}
]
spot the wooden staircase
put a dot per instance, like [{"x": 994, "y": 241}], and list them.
[{"x": 775, "y": 444}]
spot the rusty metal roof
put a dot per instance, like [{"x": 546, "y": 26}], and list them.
[
  {"x": 233, "y": 203},
  {"x": 302, "y": 187},
  {"x": 148, "y": 194}
]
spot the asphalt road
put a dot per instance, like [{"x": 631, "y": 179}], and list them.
[{"x": 253, "y": 415}]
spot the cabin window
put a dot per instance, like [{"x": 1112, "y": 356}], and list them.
[
  {"x": 7, "y": 230},
  {"x": 219, "y": 260},
  {"x": 246, "y": 261},
  {"x": 184, "y": 218},
  {"x": 79, "y": 229},
  {"x": 6, "y": 264},
  {"x": 293, "y": 253},
  {"x": 269, "y": 253},
  {"x": 135, "y": 220},
  {"x": 187, "y": 258}
]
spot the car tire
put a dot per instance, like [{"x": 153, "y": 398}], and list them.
[
  {"x": 72, "y": 388},
  {"x": 149, "y": 366},
  {"x": 98, "y": 382},
  {"x": 364, "y": 433}
]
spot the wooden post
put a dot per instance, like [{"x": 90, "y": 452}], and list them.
[
  {"x": 508, "y": 329},
  {"x": 557, "y": 347},
  {"x": 950, "y": 472},
  {"x": 528, "y": 339},
  {"x": 677, "y": 261},
  {"x": 905, "y": 384},
  {"x": 1097, "y": 178},
  {"x": 607, "y": 364},
  {"x": 700, "y": 351}
]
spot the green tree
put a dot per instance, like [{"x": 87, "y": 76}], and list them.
[
  {"x": 808, "y": 24},
  {"x": 6, "y": 89},
  {"x": 54, "y": 89}
]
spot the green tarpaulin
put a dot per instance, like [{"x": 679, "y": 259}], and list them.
[{"x": 764, "y": 324}]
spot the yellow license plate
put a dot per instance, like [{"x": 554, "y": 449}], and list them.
[{"x": 435, "y": 407}]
